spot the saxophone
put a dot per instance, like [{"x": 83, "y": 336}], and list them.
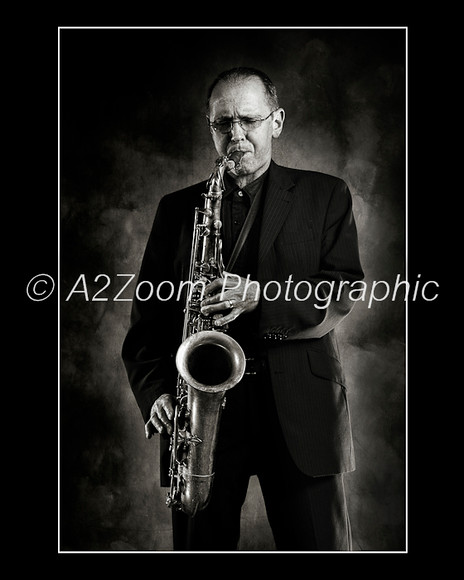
[{"x": 209, "y": 362}]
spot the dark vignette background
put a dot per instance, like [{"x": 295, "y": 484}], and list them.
[{"x": 132, "y": 129}]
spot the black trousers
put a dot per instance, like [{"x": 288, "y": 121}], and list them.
[{"x": 305, "y": 513}]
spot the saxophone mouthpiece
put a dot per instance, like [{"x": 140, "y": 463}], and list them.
[{"x": 234, "y": 159}]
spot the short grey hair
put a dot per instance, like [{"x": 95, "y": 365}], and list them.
[{"x": 240, "y": 73}]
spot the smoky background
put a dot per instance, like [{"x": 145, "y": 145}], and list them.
[{"x": 133, "y": 128}]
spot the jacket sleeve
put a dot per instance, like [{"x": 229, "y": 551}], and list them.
[
  {"x": 316, "y": 298},
  {"x": 149, "y": 346}
]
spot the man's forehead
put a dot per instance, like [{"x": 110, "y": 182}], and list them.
[{"x": 246, "y": 93}]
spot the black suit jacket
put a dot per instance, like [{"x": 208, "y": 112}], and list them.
[{"x": 308, "y": 242}]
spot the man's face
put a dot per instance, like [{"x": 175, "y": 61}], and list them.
[{"x": 235, "y": 100}]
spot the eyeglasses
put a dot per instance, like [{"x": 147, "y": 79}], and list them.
[{"x": 246, "y": 123}]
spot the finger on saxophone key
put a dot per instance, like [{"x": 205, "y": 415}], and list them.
[
  {"x": 165, "y": 422},
  {"x": 162, "y": 414},
  {"x": 214, "y": 287}
]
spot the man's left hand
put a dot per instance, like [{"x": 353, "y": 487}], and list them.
[{"x": 231, "y": 294}]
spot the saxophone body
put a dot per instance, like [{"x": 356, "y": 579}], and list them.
[{"x": 209, "y": 362}]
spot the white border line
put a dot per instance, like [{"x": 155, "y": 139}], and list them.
[{"x": 405, "y": 28}]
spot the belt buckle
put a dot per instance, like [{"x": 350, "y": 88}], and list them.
[{"x": 251, "y": 372}]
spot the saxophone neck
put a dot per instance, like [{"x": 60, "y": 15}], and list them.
[{"x": 215, "y": 185}]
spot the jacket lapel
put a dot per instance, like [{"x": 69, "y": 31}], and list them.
[{"x": 276, "y": 207}]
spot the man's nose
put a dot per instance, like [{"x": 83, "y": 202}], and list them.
[{"x": 236, "y": 132}]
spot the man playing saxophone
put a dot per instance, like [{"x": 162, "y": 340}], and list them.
[{"x": 287, "y": 420}]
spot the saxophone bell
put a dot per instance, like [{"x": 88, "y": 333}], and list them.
[{"x": 210, "y": 361}]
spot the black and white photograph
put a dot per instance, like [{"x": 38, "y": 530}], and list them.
[{"x": 233, "y": 289}]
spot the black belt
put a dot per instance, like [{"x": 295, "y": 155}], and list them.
[{"x": 255, "y": 365}]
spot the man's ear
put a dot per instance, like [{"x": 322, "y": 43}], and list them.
[{"x": 278, "y": 122}]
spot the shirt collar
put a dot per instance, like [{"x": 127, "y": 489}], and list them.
[{"x": 251, "y": 189}]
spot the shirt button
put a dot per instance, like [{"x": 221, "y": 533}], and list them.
[{"x": 240, "y": 193}]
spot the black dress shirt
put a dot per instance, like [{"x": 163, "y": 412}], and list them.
[{"x": 236, "y": 203}]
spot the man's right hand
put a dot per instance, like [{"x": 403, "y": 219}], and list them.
[{"x": 162, "y": 414}]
